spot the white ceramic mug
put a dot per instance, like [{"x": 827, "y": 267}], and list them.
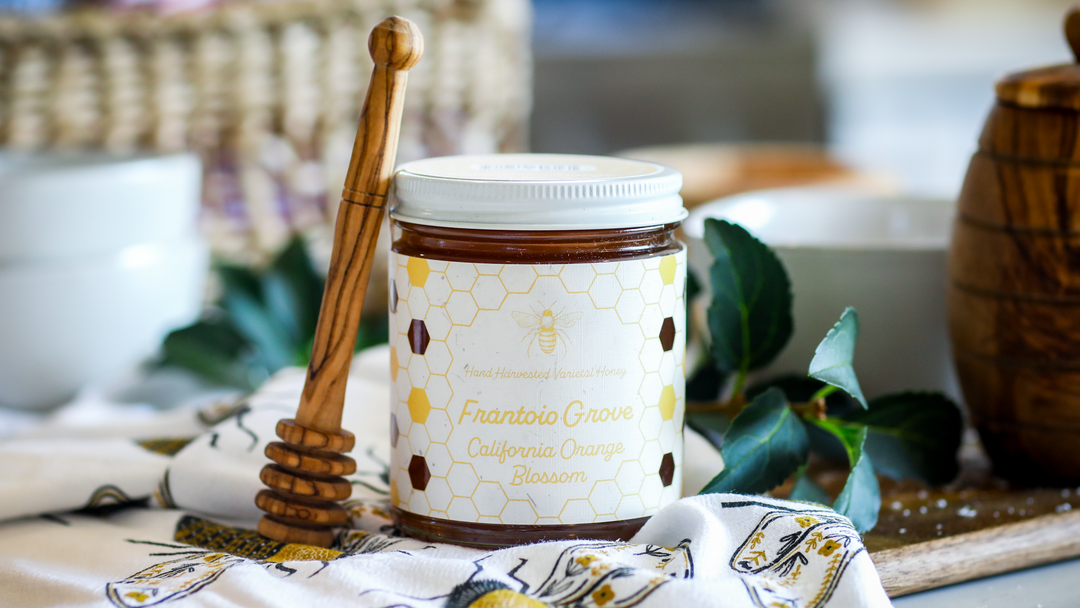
[
  {"x": 884, "y": 255},
  {"x": 99, "y": 258},
  {"x": 62, "y": 205}
]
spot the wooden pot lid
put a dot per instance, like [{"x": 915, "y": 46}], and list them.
[{"x": 1056, "y": 86}]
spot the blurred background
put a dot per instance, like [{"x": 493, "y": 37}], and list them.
[
  {"x": 264, "y": 96},
  {"x": 895, "y": 87}
]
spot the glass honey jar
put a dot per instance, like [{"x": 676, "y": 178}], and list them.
[{"x": 537, "y": 331}]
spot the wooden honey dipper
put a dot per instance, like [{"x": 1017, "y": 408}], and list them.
[{"x": 306, "y": 480}]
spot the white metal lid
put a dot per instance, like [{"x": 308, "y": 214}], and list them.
[{"x": 537, "y": 192}]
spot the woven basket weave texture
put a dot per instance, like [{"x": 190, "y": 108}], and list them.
[{"x": 268, "y": 94}]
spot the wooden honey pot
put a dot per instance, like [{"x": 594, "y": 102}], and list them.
[{"x": 1014, "y": 268}]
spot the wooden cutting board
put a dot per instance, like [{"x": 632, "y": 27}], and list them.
[{"x": 930, "y": 539}]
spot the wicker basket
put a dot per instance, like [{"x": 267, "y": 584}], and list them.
[{"x": 266, "y": 93}]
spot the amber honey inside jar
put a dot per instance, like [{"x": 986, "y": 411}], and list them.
[{"x": 537, "y": 320}]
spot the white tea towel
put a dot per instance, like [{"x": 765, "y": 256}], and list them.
[{"x": 200, "y": 549}]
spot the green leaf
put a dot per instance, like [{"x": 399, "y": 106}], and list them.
[
  {"x": 833, "y": 357},
  {"x": 372, "y": 331},
  {"x": 799, "y": 389},
  {"x": 238, "y": 278},
  {"x": 268, "y": 322},
  {"x": 260, "y": 328},
  {"x": 693, "y": 286},
  {"x": 848, "y": 434},
  {"x": 807, "y": 490},
  {"x": 914, "y": 435},
  {"x": 860, "y": 500},
  {"x": 283, "y": 304},
  {"x": 764, "y": 446},
  {"x": 692, "y": 289},
  {"x": 211, "y": 348},
  {"x": 750, "y": 316},
  {"x": 826, "y": 445},
  {"x": 294, "y": 290}
]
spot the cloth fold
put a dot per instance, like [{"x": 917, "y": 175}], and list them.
[{"x": 169, "y": 520}]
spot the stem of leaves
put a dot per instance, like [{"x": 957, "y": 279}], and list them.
[
  {"x": 824, "y": 392},
  {"x": 737, "y": 395},
  {"x": 768, "y": 441}
]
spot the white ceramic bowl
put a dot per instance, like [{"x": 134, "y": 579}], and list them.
[
  {"x": 56, "y": 206},
  {"x": 883, "y": 255},
  {"x": 67, "y": 323}
]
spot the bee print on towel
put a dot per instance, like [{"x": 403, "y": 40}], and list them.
[
  {"x": 586, "y": 574},
  {"x": 583, "y": 575},
  {"x": 795, "y": 558},
  {"x": 209, "y": 549}
]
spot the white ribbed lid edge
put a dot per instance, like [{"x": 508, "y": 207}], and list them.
[{"x": 598, "y": 192}]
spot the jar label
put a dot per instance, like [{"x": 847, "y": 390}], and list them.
[{"x": 537, "y": 394}]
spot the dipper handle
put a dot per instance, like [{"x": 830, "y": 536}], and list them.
[{"x": 307, "y": 476}]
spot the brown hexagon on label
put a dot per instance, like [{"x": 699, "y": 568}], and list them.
[
  {"x": 419, "y": 474},
  {"x": 418, "y": 337},
  {"x": 667, "y": 469},
  {"x": 667, "y": 334},
  {"x": 394, "y": 431}
]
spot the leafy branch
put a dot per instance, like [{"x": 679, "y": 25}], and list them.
[
  {"x": 767, "y": 432},
  {"x": 264, "y": 320}
]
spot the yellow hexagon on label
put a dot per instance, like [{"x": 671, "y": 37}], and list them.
[
  {"x": 418, "y": 271},
  {"x": 420, "y": 407},
  {"x": 667, "y": 269},
  {"x": 393, "y": 364},
  {"x": 667, "y": 402}
]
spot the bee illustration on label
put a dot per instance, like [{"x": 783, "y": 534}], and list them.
[{"x": 547, "y": 327}]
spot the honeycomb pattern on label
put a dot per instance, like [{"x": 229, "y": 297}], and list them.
[{"x": 432, "y": 299}]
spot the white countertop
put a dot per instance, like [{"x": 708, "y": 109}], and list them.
[{"x": 1051, "y": 586}]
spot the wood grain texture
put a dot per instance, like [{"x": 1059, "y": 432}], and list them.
[
  {"x": 395, "y": 45},
  {"x": 289, "y": 531},
  {"x": 1031, "y": 135},
  {"x": 294, "y": 434},
  {"x": 311, "y": 470},
  {"x": 978, "y": 554},
  {"x": 1014, "y": 272},
  {"x": 1030, "y": 436},
  {"x": 305, "y": 484},
  {"x": 1055, "y": 86},
  {"x": 313, "y": 512},
  {"x": 1018, "y": 264},
  {"x": 1032, "y": 332},
  {"x": 316, "y": 461},
  {"x": 1023, "y": 195},
  {"x": 977, "y": 526}
]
